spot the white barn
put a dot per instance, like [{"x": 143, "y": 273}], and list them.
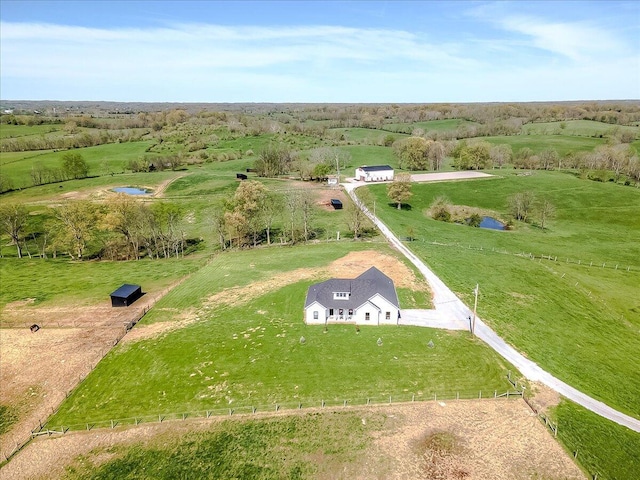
[
  {"x": 369, "y": 299},
  {"x": 374, "y": 173}
]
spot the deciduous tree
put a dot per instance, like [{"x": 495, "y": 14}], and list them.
[
  {"x": 273, "y": 161},
  {"x": 400, "y": 189},
  {"x": 13, "y": 220},
  {"x": 74, "y": 165},
  {"x": 75, "y": 226},
  {"x": 521, "y": 205},
  {"x": 546, "y": 210}
]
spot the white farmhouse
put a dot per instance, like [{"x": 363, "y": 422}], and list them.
[
  {"x": 369, "y": 299},
  {"x": 374, "y": 173}
]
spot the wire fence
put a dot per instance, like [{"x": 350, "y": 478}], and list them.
[
  {"x": 613, "y": 265},
  {"x": 291, "y": 405}
]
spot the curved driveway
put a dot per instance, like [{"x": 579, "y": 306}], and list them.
[{"x": 450, "y": 310}]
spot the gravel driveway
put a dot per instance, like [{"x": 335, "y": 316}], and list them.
[{"x": 451, "y": 310}]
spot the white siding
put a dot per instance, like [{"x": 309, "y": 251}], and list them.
[
  {"x": 377, "y": 176},
  {"x": 315, "y": 307},
  {"x": 385, "y": 307}
]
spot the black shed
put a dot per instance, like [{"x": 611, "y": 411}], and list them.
[
  {"x": 336, "y": 204},
  {"x": 126, "y": 295}
]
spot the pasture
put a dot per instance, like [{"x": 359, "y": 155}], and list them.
[
  {"x": 579, "y": 322},
  {"x": 229, "y": 336},
  {"x": 227, "y": 339},
  {"x": 391, "y": 442}
]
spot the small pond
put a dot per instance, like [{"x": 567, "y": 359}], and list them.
[
  {"x": 491, "y": 223},
  {"x": 132, "y": 190}
]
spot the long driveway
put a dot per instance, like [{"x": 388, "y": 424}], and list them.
[{"x": 452, "y": 311}]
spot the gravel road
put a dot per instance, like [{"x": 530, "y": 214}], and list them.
[{"x": 452, "y": 311}]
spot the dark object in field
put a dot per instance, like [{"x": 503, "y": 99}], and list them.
[
  {"x": 336, "y": 204},
  {"x": 126, "y": 295},
  {"x": 34, "y": 328},
  {"x": 241, "y": 176}
]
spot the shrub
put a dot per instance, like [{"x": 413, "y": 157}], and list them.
[{"x": 474, "y": 220}]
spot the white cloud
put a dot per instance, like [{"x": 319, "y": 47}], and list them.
[
  {"x": 577, "y": 41},
  {"x": 200, "y": 62}
]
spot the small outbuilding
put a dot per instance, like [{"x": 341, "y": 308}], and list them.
[
  {"x": 336, "y": 204},
  {"x": 126, "y": 295},
  {"x": 374, "y": 173}
]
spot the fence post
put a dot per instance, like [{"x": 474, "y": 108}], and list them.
[
  {"x": 253, "y": 410},
  {"x": 480, "y": 394},
  {"x": 389, "y": 399},
  {"x": 111, "y": 423},
  {"x": 495, "y": 394},
  {"x": 208, "y": 413},
  {"x": 413, "y": 397}
]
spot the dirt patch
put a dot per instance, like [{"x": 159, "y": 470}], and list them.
[
  {"x": 543, "y": 397},
  {"x": 349, "y": 266},
  {"x": 474, "y": 440},
  {"x": 38, "y": 369}
]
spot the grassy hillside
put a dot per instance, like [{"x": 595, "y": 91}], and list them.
[
  {"x": 578, "y": 322},
  {"x": 600, "y": 446},
  {"x": 244, "y": 349}
]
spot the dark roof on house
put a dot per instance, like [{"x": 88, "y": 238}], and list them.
[
  {"x": 376, "y": 168},
  {"x": 125, "y": 291},
  {"x": 361, "y": 289}
]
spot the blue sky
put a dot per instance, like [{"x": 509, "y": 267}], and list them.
[{"x": 419, "y": 51}]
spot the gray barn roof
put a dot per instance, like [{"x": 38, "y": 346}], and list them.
[
  {"x": 125, "y": 291},
  {"x": 376, "y": 168},
  {"x": 361, "y": 289}
]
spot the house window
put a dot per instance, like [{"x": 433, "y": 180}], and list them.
[
  {"x": 388, "y": 316},
  {"x": 351, "y": 312},
  {"x": 367, "y": 316},
  {"x": 340, "y": 295},
  {"x": 315, "y": 315}
]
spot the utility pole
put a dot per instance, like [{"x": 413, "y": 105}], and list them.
[{"x": 475, "y": 306}]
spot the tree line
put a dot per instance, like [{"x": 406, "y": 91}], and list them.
[{"x": 122, "y": 228}]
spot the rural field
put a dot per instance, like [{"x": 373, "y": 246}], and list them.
[
  {"x": 498, "y": 439},
  {"x": 225, "y": 264}
]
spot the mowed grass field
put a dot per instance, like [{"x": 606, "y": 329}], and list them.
[
  {"x": 244, "y": 348},
  {"x": 579, "y": 322},
  {"x": 600, "y": 446}
]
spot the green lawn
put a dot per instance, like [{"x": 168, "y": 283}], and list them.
[
  {"x": 249, "y": 352},
  {"x": 14, "y": 131},
  {"x": 431, "y": 125},
  {"x": 601, "y": 447},
  {"x": 562, "y": 144},
  {"x": 583, "y": 128},
  {"x": 102, "y": 160},
  {"x": 61, "y": 282},
  {"x": 274, "y": 448},
  {"x": 363, "y": 135},
  {"x": 578, "y": 322}
]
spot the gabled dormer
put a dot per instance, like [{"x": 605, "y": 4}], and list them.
[{"x": 341, "y": 295}]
